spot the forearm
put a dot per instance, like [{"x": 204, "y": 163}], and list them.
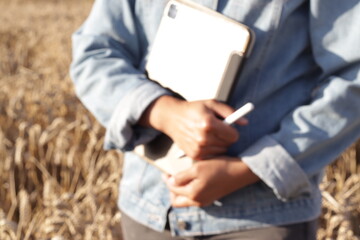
[
  {"x": 238, "y": 176},
  {"x": 107, "y": 74}
]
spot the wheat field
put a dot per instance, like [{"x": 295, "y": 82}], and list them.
[{"x": 56, "y": 182}]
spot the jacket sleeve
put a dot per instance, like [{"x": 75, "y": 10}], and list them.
[
  {"x": 108, "y": 51},
  {"x": 313, "y": 135}
]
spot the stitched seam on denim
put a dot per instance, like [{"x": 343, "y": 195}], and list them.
[
  {"x": 275, "y": 19},
  {"x": 235, "y": 212}
]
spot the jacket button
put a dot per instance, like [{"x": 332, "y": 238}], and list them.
[{"x": 182, "y": 225}]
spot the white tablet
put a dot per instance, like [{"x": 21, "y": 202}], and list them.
[{"x": 197, "y": 52}]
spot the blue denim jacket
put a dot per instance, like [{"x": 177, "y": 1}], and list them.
[{"x": 303, "y": 76}]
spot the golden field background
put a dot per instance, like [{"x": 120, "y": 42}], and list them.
[{"x": 56, "y": 182}]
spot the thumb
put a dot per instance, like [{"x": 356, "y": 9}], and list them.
[{"x": 220, "y": 109}]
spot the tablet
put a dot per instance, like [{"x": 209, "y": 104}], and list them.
[{"x": 198, "y": 52}]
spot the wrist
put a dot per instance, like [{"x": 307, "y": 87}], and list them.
[
  {"x": 158, "y": 112},
  {"x": 241, "y": 173}
]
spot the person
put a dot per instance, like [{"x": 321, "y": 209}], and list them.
[{"x": 302, "y": 75}]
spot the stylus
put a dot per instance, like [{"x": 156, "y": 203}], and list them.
[{"x": 239, "y": 113}]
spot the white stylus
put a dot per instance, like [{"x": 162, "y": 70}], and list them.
[{"x": 239, "y": 113}]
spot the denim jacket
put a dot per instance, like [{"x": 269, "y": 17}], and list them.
[{"x": 302, "y": 75}]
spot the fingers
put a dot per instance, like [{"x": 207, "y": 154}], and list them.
[
  {"x": 182, "y": 201},
  {"x": 181, "y": 183},
  {"x": 185, "y": 189},
  {"x": 208, "y": 135},
  {"x": 181, "y": 178},
  {"x": 199, "y": 152},
  {"x": 185, "y": 195},
  {"x": 224, "y": 111},
  {"x": 221, "y": 130},
  {"x": 220, "y": 109},
  {"x": 242, "y": 121},
  {"x": 225, "y": 133}
]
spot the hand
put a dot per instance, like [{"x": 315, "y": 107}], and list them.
[
  {"x": 208, "y": 180},
  {"x": 194, "y": 126}
]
